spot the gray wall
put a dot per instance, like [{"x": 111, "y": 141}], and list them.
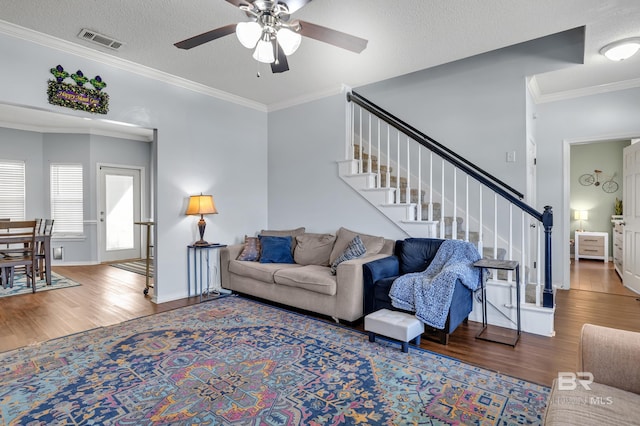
[
  {"x": 204, "y": 145},
  {"x": 607, "y": 116},
  {"x": 39, "y": 150},
  {"x": 305, "y": 143}
]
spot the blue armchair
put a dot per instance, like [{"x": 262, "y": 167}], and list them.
[{"x": 412, "y": 255}]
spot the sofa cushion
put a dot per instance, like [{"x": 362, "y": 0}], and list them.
[
  {"x": 344, "y": 236},
  {"x": 251, "y": 249},
  {"x": 354, "y": 250},
  {"x": 601, "y": 405},
  {"x": 415, "y": 254},
  {"x": 313, "y": 249},
  {"x": 259, "y": 271},
  {"x": 311, "y": 277},
  {"x": 293, "y": 233},
  {"x": 275, "y": 249}
]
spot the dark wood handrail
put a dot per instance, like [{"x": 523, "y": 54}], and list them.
[
  {"x": 433, "y": 145},
  {"x": 507, "y": 192}
]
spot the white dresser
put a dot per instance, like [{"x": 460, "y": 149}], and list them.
[{"x": 592, "y": 245}]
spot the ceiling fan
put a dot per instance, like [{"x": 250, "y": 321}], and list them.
[{"x": 272, "y": 34}]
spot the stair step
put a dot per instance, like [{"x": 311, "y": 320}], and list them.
[{"x": 374, "y": 167}]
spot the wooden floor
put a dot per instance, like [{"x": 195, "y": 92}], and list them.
[{"x": 109, "y": 295}]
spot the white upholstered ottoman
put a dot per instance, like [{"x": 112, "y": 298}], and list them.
[{"x": 397, "y": 325}]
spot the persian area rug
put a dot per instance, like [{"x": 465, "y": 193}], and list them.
[
  {"x": 137, "y": 266},
  {"x": 20, "y": 285},
  {"x": 233, "y": 361}
]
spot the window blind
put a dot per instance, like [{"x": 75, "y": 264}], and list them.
[
  {"x": 67, "y": 198},
  {"x": 12, "y": 190}
]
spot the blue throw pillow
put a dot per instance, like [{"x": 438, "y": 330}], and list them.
[
  {"x": 275, "y": 249},
  {"x": 354, "y": 250}
]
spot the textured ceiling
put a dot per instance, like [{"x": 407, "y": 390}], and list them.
[{"x": 404, "y": 36}]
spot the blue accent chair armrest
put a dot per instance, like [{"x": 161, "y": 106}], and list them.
[{"x": 373, "y": 272}]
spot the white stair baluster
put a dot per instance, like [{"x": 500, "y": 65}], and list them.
[
  {"x": 419, "y": 207},
  {"x": 398, "y": 171},
  {"x": 369, "y": 170},
  {"x": 466, "y": 207},
  {"x": 408, "y": 188},
  {"x": 430, "y": 185},
  {"x": 454, "y": 221},
  {"x": 442, "y": 202},
  {"x": 388, "y": 183},
  {"x": 379, "y": 177}
]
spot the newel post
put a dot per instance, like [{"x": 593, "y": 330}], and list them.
[{"x": 547, "y": 222}]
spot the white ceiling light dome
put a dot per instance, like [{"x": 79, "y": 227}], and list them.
[
  {"x": 289, "y": 40},
  {"x": 621, "y": 49},
  {"x": 248, "y": 33}
]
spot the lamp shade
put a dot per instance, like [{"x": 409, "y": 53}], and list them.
[
  {"x": 248, "y": 33},
  {"x": 581, "y": 215},
  {"x": 289, "y": 40},
  {"x": 264, "y": 52},
  {"x": 201, "y": 204},
  {"x": 622, "y": 49}
]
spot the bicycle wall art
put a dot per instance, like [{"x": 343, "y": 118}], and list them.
[{"x": 598, "y": 178}]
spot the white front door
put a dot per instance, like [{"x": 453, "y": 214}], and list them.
[
  {"x": 631, "y": 215},
  {"x": 119, "y": 208}
]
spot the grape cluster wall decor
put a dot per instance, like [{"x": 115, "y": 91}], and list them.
[{"x": 77, "y": 91}]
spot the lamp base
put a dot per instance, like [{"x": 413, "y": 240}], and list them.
[{"x": 201, "y": 243}]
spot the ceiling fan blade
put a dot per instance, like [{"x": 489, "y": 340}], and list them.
[
  {"x": 282, "y": 64},
  {"x": 334, "y": 37},
  {"x": 206, "y": 37},
  {"x": 238, "y": 3},
  {"x": 294, "y": 5}
]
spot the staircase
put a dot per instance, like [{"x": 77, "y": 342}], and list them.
[{"x": 429, "y": 191}]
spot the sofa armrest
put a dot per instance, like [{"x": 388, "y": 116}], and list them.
[
  {"x": 373, "y": 271},
  {"x": 350, "y": 285},
  {"x": 611, "y": 355},
  {"x": 227, "y": 254}
]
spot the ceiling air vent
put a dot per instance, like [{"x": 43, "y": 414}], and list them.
[{"x": 100, "y": 39}]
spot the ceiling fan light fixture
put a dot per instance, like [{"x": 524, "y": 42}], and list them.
[
  {"x": 289, "y": 40},
  {"x": 621, "y": 49},
  {"x": 264, "y": 52},
  {"x": 248, "y": 33}
]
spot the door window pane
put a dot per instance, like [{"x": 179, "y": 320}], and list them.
[{"x": 119, "y": 214}]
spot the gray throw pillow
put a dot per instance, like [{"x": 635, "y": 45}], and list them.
[
  {"x": 354, "y": 250},
  {"x": 313, "y": 249},
  {"x": 344, "y": 236}
]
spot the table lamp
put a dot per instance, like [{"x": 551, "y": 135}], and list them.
[
  {"x": 581, "y": 215},
  {"x": 201, "y": 205}
]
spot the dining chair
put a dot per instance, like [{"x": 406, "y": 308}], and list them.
[
  {"x": 45, "y": 229},
  {"x": 18, "y": 242}
]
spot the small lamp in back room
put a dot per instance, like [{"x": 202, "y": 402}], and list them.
[
  {"x": 201, "y": 205},
  {"x": 581, "y": 215}
]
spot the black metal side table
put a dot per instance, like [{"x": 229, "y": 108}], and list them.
[
  {"x": 506, "y": 338},
  {"x": 200, "y": 265}
]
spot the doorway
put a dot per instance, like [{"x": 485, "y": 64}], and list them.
[
  {"x": 590, "y": 205},
  {"x": 120, "y": 197}
]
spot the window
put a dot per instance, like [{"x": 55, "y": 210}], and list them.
[
  {"x": 66, "y": 198},
  {"x": 12, "y": 190}
]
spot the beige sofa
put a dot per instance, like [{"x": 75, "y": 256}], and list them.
[
  {"x": 612, "y": 356},
  {"x": 309, "y": 284}
]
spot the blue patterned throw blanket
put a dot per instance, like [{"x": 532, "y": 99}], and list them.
[{"x": 429, "y": 293}]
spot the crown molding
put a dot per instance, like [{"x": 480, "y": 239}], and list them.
[
  {"x": 309, "y": 97},
  {"x": 540, "y": 98},
  {"x": 45, "y": 40}
]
